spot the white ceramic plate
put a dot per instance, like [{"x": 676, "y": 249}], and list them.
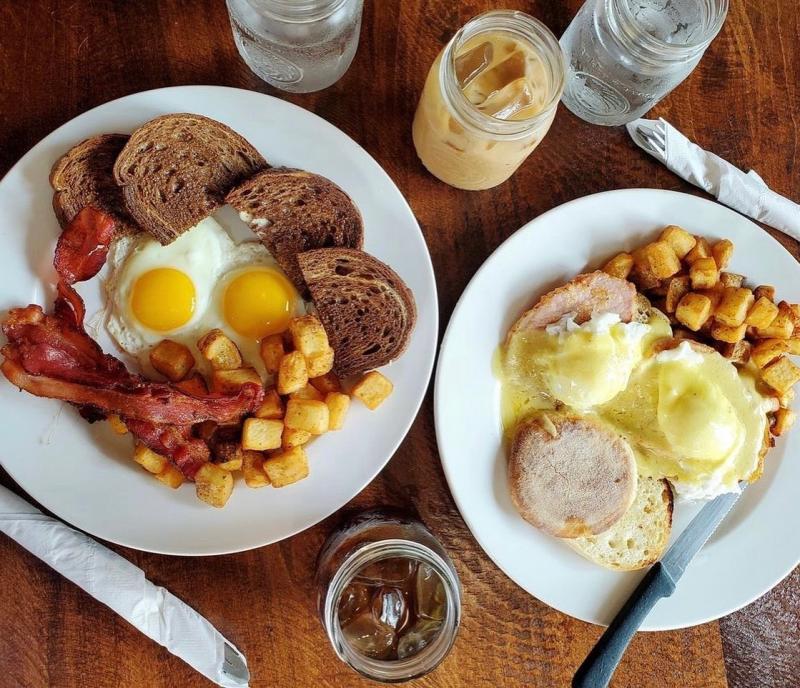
[
  {"x": 753, "y": 549},
  {"x": 83, "y": 473}
]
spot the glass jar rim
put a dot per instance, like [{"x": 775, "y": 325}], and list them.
[
  {"x": 525, "y": 27},
  {"x": 299, "y": 11},
  {"x": 418, "y": 664},
  {"x": 645, "y": 45}
]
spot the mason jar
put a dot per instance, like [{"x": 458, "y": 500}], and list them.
[
  {"x": 384, "y": 559},
  {"x": 297, "y": 45},
  {"x": 623, "y": 56},
  {"x": 488, "y": 100}
]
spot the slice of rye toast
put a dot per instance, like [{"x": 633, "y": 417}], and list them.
[
  {"x": 84, "y": 175},
  {"x": 293, "y": 211},
  {"x": 640, "y": 537},
  {"x": 365, "y": 307},
  {"x": 176, "y": 169},
  {"x": 570, "y": 476}
]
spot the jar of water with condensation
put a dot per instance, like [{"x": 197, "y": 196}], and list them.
[
  {"x": 297, "y": 45},
  {"x": 623, "y": 56},
  {"x": 489, "y": 99},
  {"x": 388, "y": 595}
]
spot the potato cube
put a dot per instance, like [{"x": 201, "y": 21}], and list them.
[
  {"x": 781, "y": 327},
  {"x": 784, "y": 419},
  {"x": 308, "y": 392},
  {"x": 172, "y": 359},
  {"x": 287, "y": 467},
  {"x": 373, "y": 389},
  {"x": 722, "y": 251},
  {"x": 767, "y": 350},
  {"x": 734, "y": 306},
  {"x": 619, "y": 266},
  {"x": 230, "y": 381},
  {"x": 194, "y": 385},
  {"x": 714, "y": 294},
  {"x": 219, "y": 350},
  {"x": 781, "y": 374},
  {"x": 253, "y": 469},
  {"x": 260, "y": 434},
  {"x": 338, "y": 404},
  {"x": 644, "y": 281},
  {"x": 327, "y": 383},
  {"x": 170, "y": 476},
  {"x": 294, "y": 438},
  {"x": 785, "y": 400},
  {"x": 320, "y": 363},
  {"x": 117, "y": 424},
  {"x": 765, "y": 290},
  {"x": 693, "y": 311},
  {"x": 737, "y": 352},
  {"x": 272, "y": 406},
  {"x": 793, "y": 344},
  {"x": 728, "y": 333},
  {"x": 307, "y": 414},
  {"x": 308, "y": 335},
  {"x": 731, "y": 279},
  {"x": 272, "y": 351},
  {"x": 704, "y": 273},
  {"x": 227, "y": 453},
  {"x": 292, "y": 373},
  {"x": 761, "y": 313},
  {"x": 213, "y": 485},
  {"x": 791, "y": 310},
  {"x": 679, "y": 240},
  {"x": 657, "y": 260},
  {"x": 701, "y": 249},
  {"x": 148, "y": 459},
  {"x": 677, "y": 287}
]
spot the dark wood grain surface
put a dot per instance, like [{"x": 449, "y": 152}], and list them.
[{"x": 59, "y": 58}]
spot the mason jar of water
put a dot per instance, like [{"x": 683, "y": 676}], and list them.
[
  {"x": 623, "y": 56},
  {"x": 388, "y": 595},
  {"x": 297, "y": 45}
]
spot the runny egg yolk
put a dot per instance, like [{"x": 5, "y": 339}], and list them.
[
  {"x": 258, "y": 303},
  {"x": 163, "y": 299}
]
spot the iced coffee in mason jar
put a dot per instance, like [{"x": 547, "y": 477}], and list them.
[{"x": 489, "y": 99}]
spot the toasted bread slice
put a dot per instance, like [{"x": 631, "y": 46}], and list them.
[
  {"x": 293, "y": 211},
  {"x": 591, "y": 294},
  {"x": 640, "y": 537},
  {"x": 84, "y": 175},
  {"x": 176, "y": 169},
  {"x": 366, "y": 309},
  {"x": 570, "y": 476}
]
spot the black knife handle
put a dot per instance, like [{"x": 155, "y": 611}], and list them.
[{"x": 598, "y": 668}]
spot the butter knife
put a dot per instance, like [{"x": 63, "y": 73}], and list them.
[{"x": 660, "y": 581}]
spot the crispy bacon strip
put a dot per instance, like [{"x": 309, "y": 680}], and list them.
[
  {"x": 50, "y": 359},
  {"x": 188, "y": 453}
]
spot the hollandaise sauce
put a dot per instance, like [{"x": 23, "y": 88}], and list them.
[{"x": 689, "y": 415}]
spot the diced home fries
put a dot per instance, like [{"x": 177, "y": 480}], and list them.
[
  {"x": 373, "y": 389},
  {"x": 219, "y": 350},
  {"x": 172, "y": 359}
]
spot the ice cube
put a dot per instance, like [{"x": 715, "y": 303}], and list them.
[
  {"x": 417, "y": 638},
  {"x": 430, "y": 595},
  {"x": 394, "y": 571},
  {"x": 389, "y": 607},
  {"x": 509, "y": 100},
  {"x": 496, "y": 78},
  {"x": 368, "y": 636},
  {"x": 472, "y": 63},
  {"x": 355, "y": 599}
]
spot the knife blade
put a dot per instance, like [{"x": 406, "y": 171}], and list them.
[{"x": 660, "y": 581}]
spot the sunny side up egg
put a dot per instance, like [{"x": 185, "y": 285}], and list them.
[
  {"x": 201, "y": 281},
  {"x": 689, "y": 415}
]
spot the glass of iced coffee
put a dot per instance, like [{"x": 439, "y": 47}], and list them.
[
  {"x": 388, "y": 595},
  {"x": 489, "y": 99}
]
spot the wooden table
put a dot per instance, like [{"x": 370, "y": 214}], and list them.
[{"x": 60, "y": 58}]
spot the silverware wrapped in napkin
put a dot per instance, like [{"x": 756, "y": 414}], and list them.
[
  {"x": 744, "y": 192},
  {"x": 120, "y": 585}
]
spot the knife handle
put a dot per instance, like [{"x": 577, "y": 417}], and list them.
[{"x": 598, "y": 668}]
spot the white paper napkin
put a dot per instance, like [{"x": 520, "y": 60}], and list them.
[
  {"x": 745, "y": 192},
  {"x": 120, "y": 585}
]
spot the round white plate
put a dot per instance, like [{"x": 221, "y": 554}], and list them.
[
  {"x": 83, "y": 473},
  {"x": 753, "y": 549}
]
